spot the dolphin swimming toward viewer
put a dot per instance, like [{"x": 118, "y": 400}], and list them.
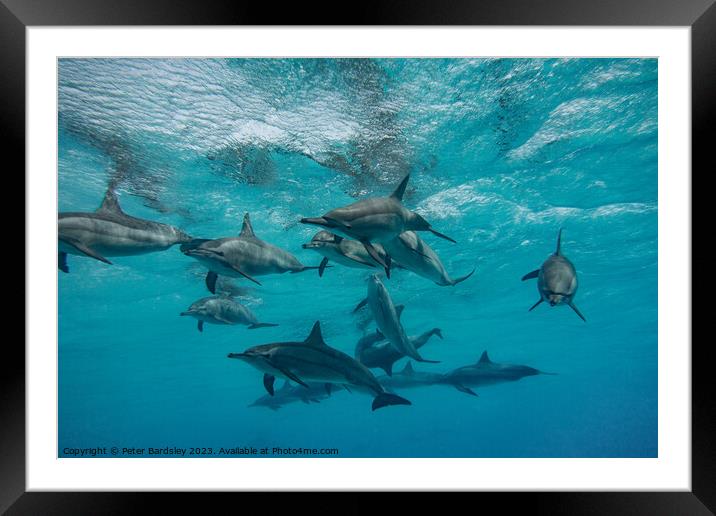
[
  {"x": 556, "y": 280},
  {"x": 109, "y": 231},
  {"x": 371, "y": 353},
  {"x": 223, "y": 310},
  {"x": 486, "y": 372},
  {"x": 313, "y": 360},
  {"x": 377, "y": 219},
  {"x": 387, "y": 318},
  {"x": 245, "y": 255},
  {"x": 411, "y": 251}
]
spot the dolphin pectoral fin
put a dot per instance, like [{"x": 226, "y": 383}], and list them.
[
  {"x": 269, "y": 379},
  {"x": 359, "y": 259},
  {"x": 360, "y": 305},
  {"x": 291, "y": 376},
  {"x": 322, "y": 267},
  {"x": 438, "y": 234},
  {"x": 385, "y": 399},
  {"x": 388, "y": 262},
  {"x": 62, "y": 262},
  {"x": 261, "y": 325},
  {"x": 466, "y": 390},
  {"x": 86, "y": 250},
  {"x": 328, "y": 387},
  {"x": 531, "y": 275},
  {"x": 399, "y": 310},
  {"x": 388, "y": 368},
  {"x": 576, "y": 310},
  {"x": 374, "y": 254},
  {"x": 200, "y": 326},
  {"x": 210, "y": 281},
  {"x": 245, "y": 275},
  {"x": 462, "y": 278},
  {"x": 535, "y": 305}
]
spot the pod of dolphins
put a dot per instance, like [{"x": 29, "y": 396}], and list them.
[{"x": 372, "y": 233}]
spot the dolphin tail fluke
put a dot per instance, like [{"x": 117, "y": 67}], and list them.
[
  {"x": 62, "y": 262},
  {"x": 576, "y": 310},
  {"x": 261, "y": 325},
  {"x": 386, "y": 399},
  {"x": 535, "y": 305},
  {"x": 210, "y": 281},
  {"x": 531, "y": 275},
  {"x": 462, "y": 278},
  {"x": 441, "y": 235},
  {"x": 322, "y": 267},
  {"x": 200, "y": 326},
  {"x": 466, "y": 390}
]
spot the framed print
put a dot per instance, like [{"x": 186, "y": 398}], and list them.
[{"x": 394, "y": 256}]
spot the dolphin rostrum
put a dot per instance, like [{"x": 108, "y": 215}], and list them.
[
  {"x": 372, "y": 353},
  {"x": 313, "y": 360},
  {"x": 377, "y": 219},
  {"x": 343, "y": 250},
  {"x": 411, "y": 252},
  {"x": 223, "y": 310},
  {"x": 245, "y": 255},
  {"x": 556, "y": 280},
  {"x": 109, "y": 231},
  {"x": 486, "y": 372},
  {"x": 387, "y": 318},
  {"x": 292, "y": 394}
]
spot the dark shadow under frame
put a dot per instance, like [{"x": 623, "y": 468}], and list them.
[{"x": 700, "y": 15}]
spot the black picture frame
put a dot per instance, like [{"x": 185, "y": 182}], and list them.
[{"x": 700, "y": 15}]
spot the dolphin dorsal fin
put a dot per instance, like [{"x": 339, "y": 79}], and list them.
[
  {"x": 400, "y": 189},
  {"x": 484, "y": 359},
  {"x": 246, "y": 229},
  {"x": 559, "y": 241},
  {"x": 408, "y": 369},
  {"x": 110, "y": 203},
  {"x": 399, "y": 310},
  {"x": 315, "y": 338}
]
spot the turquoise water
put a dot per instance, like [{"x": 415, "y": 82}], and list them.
[{"x": 502, "y": 153}]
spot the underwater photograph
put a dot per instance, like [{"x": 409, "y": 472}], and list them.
[{"x": 357, "y": 257}]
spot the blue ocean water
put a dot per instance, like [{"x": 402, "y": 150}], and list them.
[{"x": 502, "y": 153}]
